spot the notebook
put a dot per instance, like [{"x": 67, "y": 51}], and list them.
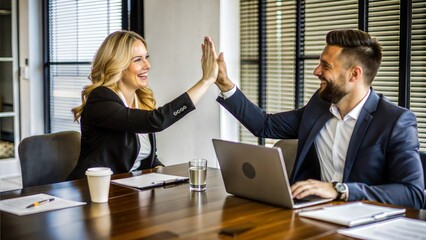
[
  {"x": 150, "y": 180},
  {"x": 258, "y": 173},
  {"x": 353, "y": 214}
]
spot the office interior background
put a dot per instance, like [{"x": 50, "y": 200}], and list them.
[{"x": 271, "y": 48}]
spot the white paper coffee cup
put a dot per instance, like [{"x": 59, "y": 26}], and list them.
[{"x": 98, "y": 179}]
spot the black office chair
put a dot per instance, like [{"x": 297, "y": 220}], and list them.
[
  {"x": 48, "y": 158},
  {"x": 289, "y": 150},
  {"x": 423, "y": 160}
]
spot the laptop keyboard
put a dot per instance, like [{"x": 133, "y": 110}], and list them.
[
  {"x": 303, "y": 200},
  {"x": 309, "y": 198}
]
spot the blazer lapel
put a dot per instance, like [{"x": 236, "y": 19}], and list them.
[
  {"x": 361, "y": 126},
  {"x": 319, "y": 124},
  {"x": 153, "y": 148}
]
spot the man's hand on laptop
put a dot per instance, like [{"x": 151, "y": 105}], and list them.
[{"x": 309, "y": 187}]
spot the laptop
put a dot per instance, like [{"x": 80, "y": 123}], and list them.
[{"x": 258, "y": 173}]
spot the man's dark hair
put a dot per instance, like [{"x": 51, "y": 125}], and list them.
[{"x": 360, "y": 48}]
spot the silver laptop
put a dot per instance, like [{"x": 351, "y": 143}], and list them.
[{"x": 258, "y": 173}]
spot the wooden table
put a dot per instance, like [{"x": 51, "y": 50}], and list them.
[{"x": 162, "y": 213}]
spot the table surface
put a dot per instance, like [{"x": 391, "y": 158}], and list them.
[{"x": 171, "y": 212}]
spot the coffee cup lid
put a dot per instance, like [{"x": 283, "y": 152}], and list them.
[{"x": 98, "y": 171}]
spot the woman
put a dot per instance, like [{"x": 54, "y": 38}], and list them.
[{"x": 118, "y": 116}]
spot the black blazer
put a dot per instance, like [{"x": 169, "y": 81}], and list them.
[{"x": 109, "y": 131}]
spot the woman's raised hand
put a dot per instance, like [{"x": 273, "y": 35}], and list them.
[{"x": 209, "y": 61}]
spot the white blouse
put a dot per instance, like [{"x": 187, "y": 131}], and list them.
[{"x": 145, "y": 149}]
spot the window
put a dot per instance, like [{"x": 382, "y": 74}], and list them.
[
  {"x": 383, "y": 23},
  {"x": 317, "y": 25},
  {"x": 249, "y": 56},
  {"x": 291, "y": 35},
  {"x": 418, "y": 68},
  {"x": 75, "y": 31},
  {"x": 280, "y": 45},
  {"x": 279, "y": 42}
]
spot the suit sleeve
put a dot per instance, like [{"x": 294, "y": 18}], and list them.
[
  {"x": 258, "y": 122},
  {"x": 105, "y": 109},
  {"x": 404, "y": 171}
]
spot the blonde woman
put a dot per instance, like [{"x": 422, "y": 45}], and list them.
[{"x": 118, "y": 116}]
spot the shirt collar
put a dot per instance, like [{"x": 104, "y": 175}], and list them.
[
  {"x": 354, "y": 113},
  {"x": 120, "y": 94}
]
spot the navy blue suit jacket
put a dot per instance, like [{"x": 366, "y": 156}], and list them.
[{"x": 382, "y": 161}]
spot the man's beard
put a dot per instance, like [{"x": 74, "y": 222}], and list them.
[{"x": 332, "y": 93}]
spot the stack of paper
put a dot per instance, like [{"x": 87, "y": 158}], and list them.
[
  {"x": 35, "y": 204},
  {"x": 398, "y": 228},
  {"x": 352, "y": 214}
]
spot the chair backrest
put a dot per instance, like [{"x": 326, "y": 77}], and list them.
[
  {"x": 48, "y": 158},
  {"x": 423, "y": 160},
  {"x": 289, "y": 150}
]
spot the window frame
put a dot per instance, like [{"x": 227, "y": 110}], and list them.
[
  {"x": 363, "y": 22},
  {"x": 404, "y": 65},
  {"x": 132, "y": 18}
]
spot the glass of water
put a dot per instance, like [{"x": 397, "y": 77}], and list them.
[{"x": 197, "y": 174}]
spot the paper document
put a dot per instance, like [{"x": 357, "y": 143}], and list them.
[
  {"x": 150, "y": 180},
  {"x": 397, "y": 228},
  {"x": 35, "y": 204},
  {"x": 352, "y": 214}
]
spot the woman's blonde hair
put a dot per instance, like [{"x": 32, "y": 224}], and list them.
[{"x": 112, "y": 58}]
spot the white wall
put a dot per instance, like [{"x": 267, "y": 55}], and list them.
[
  {"x": 230, "y": 46},
  {"x": 174, "y": 31},
  {"x": 30, "y": 47}
]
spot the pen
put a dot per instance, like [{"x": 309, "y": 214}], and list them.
[
  {"x": 168, "y": 181},
  {"x": 379, "y": 216},
  {"x": 38, "y": 203},
  {"x": 161, "y": 182},
  {"x": 172, "y": 181},
  {"x": 371, "y": 218}
]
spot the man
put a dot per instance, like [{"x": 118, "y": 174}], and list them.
[{"x": 354, "y": 144}]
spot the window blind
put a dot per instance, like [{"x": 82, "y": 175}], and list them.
[
  {"x": 418, "y": 68},
  {"x": 318, "y": 22},
  {"x": 383, "y": 23},
  {"x": 280, "y": 47},
  {"x": 249, "y": 45},
  {"x": 76, "y": 30}
]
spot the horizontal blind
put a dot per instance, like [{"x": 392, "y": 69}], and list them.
[
  {"x": 280, "y": 45},
  {"x": 76, "y": 30},
  {"x": 249, "y": 13},
  {"x": 418, "y": 68},
  {"x": 67, "y": 82},
  {"x": 322, "y": 17},
  {"x": 383, "y": 23}
]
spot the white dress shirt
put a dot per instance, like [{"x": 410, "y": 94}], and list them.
[
  {"x": 333, "y": 140},
  {"x": 229, "y": 93}
]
